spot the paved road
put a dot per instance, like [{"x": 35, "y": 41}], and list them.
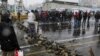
[
  {"x": 63, "y": 34},
  {"x": 54, "y": 32},
  {"x": 59, "y": 32}
]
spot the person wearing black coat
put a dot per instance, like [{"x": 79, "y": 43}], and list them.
[
  {"x": 8, "y": 40},
  {"x": 18, "y": 15},
  {"x": 97, "y": 16},
  {"x": 5, "y": 17},
  {"x": 84, "y": 18},
  {"x": 80, "y": 18}
]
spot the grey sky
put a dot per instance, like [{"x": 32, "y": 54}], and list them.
[
  {"x": 33, "y": 2},
  {"x": 27, "y": 2}
]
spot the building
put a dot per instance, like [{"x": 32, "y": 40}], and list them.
[
  {"x": 90, "y": 3},
  {"x": 72, "y": 2},
  {"x": 63, "y": 4},
  {"x": 56, "y": 4}
]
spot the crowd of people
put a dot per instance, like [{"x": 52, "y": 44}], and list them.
[
  {"x": 42, "y": 16},
  {"x": 53, "y": 16},
  {"x": 81, "y": 18},
  {"x": 60, "y": 16},
  {"x": 65, "y": 15}
]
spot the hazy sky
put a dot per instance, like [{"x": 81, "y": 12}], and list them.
[
  {"x": 33, "y": 2},
  {"x": 27, "y": 2}
]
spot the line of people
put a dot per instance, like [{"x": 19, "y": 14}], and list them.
[
  {"x": 81, "y": 18},
  {"x": 53, "y": 16},
  {"x": 60, "y": 16}
]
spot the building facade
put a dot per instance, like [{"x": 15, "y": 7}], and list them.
[{"x": 90, "y": 3}]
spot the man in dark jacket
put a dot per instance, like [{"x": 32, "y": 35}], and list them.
[
  {"x": 97, "y": 16},
  {"x": 8, "y": 39},
  {"x": 80, "y": 18},
  {"x": 18, "y": 15},
  {"x": 88, "y": 20},
  {"x": 84, "y": 18},
  {"x": 5, "y": 17}
]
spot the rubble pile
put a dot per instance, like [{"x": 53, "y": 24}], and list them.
[{"x": 40, "y": 40}]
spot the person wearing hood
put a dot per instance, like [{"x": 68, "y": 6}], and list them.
[
  {"x": 8, "y": 39},
  {"x": 31, "y": 20}
]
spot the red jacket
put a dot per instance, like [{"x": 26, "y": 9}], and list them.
[{"x": 76, "y": 15}]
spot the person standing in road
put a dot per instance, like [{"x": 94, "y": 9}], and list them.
[
  {"x": 31, "y": 16},
  {"x": 8, "y": 40},
  {"x": 88, "y": 20},
  {"x": 31, "y": 20},
  {"x": 5, "y": 17},
  {"x": 18, "y": 15},
  {"x": 84, "y": 18}
]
